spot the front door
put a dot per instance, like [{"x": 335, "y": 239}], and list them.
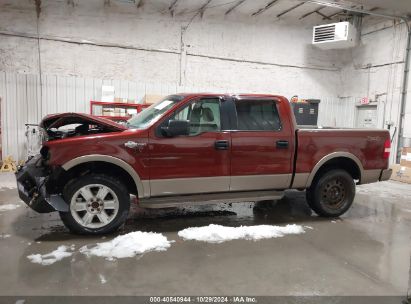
[
  {"x": 262, "y": 146},
  {"x": 196, "y": 163}
]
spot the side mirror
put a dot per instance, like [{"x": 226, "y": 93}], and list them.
[{"x": 176, "y": 127}]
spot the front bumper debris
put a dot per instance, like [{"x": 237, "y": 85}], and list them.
[
  {"x": 385, "y": 174},
  {"x": 32, "y": 179}
]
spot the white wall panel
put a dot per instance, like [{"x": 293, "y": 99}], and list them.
[
  {"x": 24, "y": 102},
  {"x": 337, "y": 112}
]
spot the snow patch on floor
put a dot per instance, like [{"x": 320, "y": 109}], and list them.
[
  {"x": 218, "y": 234},
  {"x": 4, "y": 236},
  {"x": 50, "y": 258},
  {"x": 7, "y": 207},
  {"x": 128, "y": 245}
]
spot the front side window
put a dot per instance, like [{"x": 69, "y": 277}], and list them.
[
  {"x": 257, "y": 115},
  {"x": 203, "y": 116},
  {"x": 150, "y": 115}
]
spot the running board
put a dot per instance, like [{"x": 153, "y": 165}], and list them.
[{"x": 210, "y": 198}]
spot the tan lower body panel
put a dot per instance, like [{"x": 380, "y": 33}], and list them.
[
  {"x": 300, "y": 180},
  {"x": 370, "y": 176},
  {"x": 260, "y": 182},
  {"x": 210, "y": 198},
  {"x": 183, "y": 186},
  {"x": 386, "y": 174},
  {"x": 179, "y": 186}
]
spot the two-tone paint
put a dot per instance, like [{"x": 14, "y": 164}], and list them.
[{"x": 254, "y": 161}]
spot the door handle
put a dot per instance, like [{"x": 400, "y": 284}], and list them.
[
  {"x": 221, "y": 145},
  {"x": 282, "y": 144}
]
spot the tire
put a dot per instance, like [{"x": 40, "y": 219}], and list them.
[
  {"x": 332, "y": 193},
  {"x": 98, "y": 204}
]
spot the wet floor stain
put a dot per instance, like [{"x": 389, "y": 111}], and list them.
[{"x": 365, "y": 251}]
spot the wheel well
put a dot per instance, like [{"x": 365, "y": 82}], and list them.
[
  {"x": 342, "y": 163},
  {"x": 105, "y": 168}
]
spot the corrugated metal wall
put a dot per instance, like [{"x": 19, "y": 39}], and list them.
[
  {"x": 336, "y": 112},
  {"x": 22, "y": 101}
]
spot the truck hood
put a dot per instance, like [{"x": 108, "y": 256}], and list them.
[
  {"x": 59, "y": 120},
  {"x": 60, "y": 126}
]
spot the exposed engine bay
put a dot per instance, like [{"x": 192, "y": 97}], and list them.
[
  {"x": 78, "y": 130},
  {"x": 59, "y": 126}
]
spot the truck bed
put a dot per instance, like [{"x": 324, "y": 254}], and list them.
[{"x": 364, "y": 146}]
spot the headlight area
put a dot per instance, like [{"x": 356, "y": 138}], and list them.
[
  {"x": 45, "y": 155},
  {"x": 38, "y": 185}
]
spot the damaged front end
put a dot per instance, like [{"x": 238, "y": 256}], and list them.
[
  {"x": 33, "y": 185},
  {"x": 65, "y": 125},
  {"x": 39, "y": 181}
]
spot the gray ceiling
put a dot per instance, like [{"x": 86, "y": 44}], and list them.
[
  {"x": 264, "y": 10},
  {"x": 270, "y": 9}
]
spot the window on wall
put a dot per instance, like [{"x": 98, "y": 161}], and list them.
[
  {"x": 257, "y": 115},
  {"x": 203, "y": 115}
]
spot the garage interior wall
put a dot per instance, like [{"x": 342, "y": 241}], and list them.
[{"x": 59, "y": 61}]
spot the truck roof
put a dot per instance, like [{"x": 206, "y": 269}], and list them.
[{"x": 229, "y": 94}]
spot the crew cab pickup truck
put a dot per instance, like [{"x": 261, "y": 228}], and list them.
[{"x": 191, "y": 149}]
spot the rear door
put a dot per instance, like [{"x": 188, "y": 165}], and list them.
[
  {"x": 196, "y": 163},
  {"x": 262, "y": 146}
]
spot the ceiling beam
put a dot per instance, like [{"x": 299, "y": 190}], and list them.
[
  {"x": 172, "y": 7},
  {"x": 345, "y": 11},
  {"x": 312, "y": 12},
  {"x": 265, "y": 8},
  {"x": 234, "y": 7},
  {"x": 335, "y": 14},
  {"x": 351, "y": 9},
  {"x": 203, "y": 8},
  {"x": 290, "y": 9},
  {"x": 322, "y": 15}
]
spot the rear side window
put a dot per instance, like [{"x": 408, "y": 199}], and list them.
[{"x": 257, "y": 115}]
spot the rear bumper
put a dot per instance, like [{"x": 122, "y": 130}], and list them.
[
  {"x": 385, "y": 174},
  {"x": 32, "y": 179}
]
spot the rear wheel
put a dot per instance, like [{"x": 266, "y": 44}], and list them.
[
  {"x": 332, "y": 193},
  {"x": 98, "y": 204}
]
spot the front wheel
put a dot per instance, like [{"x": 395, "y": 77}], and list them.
[
  {"x": 98, "y": 204},
  {"x": 332, "y": 194}
]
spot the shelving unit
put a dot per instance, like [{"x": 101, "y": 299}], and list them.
[{"x": 116, "y": 111}]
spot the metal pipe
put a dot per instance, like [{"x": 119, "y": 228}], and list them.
[
  {"x": 404, "y": 89},
  {"x": 351, "y": 9}
]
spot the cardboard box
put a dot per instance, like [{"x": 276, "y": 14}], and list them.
[
  {"x": 151, "y": 98},
  {"x": 107, "y": 93},
  {"x": 120, "y": 99},
  {"x": 108, "y": 112},
  {"x": 406, "y": 157},
  {"x": 401, "y": 173}
]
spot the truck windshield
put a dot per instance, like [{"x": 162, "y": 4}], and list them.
[{"x": 153, "y": 113}]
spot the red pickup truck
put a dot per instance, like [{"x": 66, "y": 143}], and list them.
[{"x": 195, "y": 148}]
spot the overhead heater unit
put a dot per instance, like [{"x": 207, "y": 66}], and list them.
[{"x": 335, "y": 35}]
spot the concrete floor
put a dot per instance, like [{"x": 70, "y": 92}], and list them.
[{"x": 365, "y": 252}]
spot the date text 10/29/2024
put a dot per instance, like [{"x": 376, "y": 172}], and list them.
[{"x": 203, "y": 299}]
